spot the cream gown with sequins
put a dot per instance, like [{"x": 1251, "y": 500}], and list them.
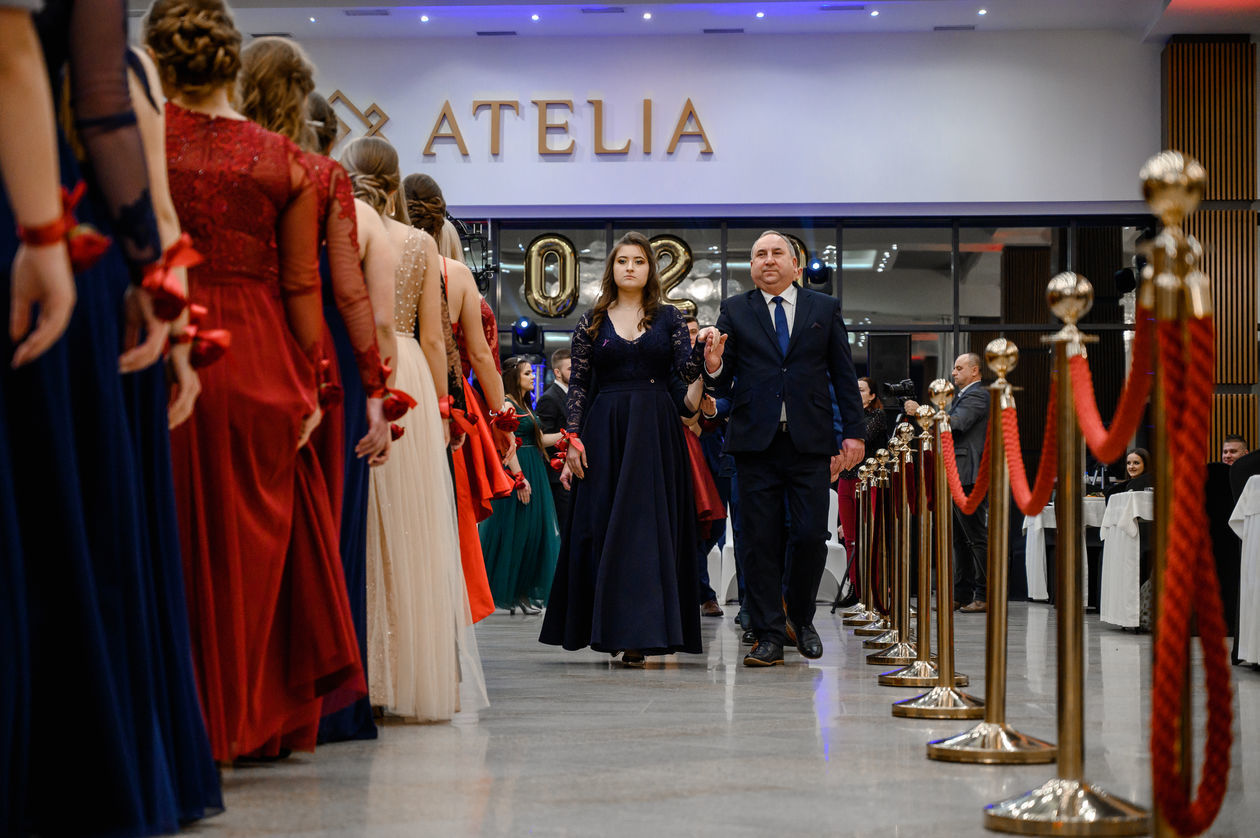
[{"x": 420, "y": 638}]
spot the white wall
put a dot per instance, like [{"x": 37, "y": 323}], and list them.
[{"x": 909, "y": 123}]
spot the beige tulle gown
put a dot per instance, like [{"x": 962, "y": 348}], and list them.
[{"x": 421, "y": 648}]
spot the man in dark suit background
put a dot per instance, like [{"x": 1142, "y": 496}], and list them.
[
  {"x": 777, "y": 351},
  {"x": 552, "y": 418},
  {"x": 969, "y": 421}
]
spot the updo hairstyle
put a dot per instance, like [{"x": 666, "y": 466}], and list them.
[
  {"x": 275, "y": 79},
  {"x": 425, "y": 204},
  {"x": 196, "y": 44},
  {"x": 323, "y": 121},
  {"x": 372, "y": 164}
]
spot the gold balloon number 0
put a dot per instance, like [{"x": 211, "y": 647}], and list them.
[{"x": 561, "y": 301}]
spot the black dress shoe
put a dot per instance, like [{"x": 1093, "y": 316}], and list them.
[
  {"x": 808, "y": 643},
  {"x": 765, "y": 653},
  {"x": 748, "y": 638}
]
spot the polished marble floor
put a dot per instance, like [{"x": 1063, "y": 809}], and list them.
[{"x": 698, "y": 745}]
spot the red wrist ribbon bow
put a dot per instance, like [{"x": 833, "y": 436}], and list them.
[
  {"x": 567, "y": 438},
  {"x": 330, "y": 393},
  {"x": 505, "y": 420},
  {"x": 208, "y": 345},
  {"x": 162, "y": 283},
  {"x": 86, "y": 244}
]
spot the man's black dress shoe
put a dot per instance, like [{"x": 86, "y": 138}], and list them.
[
  {"x": 748, "y": 638},
  {"x": 765, "y": 653},
  {"x": 808, "y": 643}
]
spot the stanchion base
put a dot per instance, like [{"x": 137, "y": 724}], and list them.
[
  {"x": 940, "y": 703},
  {"x": 990, "y": 743},
  {"x": 1067, "y": 807},
  {"x": 881, "y": 641},
  {"x": 874, "y": 629},
  {"x": 861, "y": 618},
  {"x": 853, "y": 610},
  {"x": 893, "y": 655},
  {"x": 918, "y": 674}
]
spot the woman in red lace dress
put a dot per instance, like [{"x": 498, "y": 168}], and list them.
[{"x": 270, "y": 620}]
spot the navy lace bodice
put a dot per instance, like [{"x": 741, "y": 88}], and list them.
[{"x": 607, "y": 357}]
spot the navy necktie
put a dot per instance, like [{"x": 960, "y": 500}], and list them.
[{"x": 780, "y": 324}]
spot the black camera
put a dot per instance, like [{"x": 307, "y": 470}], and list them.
[{"x": 902, "y": 390}]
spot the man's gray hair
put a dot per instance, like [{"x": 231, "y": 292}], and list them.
[{"x": 791, "y": 247}]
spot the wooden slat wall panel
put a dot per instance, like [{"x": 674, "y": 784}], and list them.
[
  {"x": 1233, "y": 413},
  {"x": 1229, "y": 259},
  {"x": 1209, "y": 110},
  {"x": 1099, "y": 253},
  {"x": 1025, "y": 273}
]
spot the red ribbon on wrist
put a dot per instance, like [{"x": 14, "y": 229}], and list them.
[
  {"x": 518, "y": 480},
  {"x": 330, "y": 393},
  {"x": 397, "y": 403},
  {"x": 396, "y": 431},
  {"x": 505, "y": 420},
  {"x": 84, "y": 242},
  {"x": 162, "y": 283},
  {"x": 208, "y": 345},
  {"x": 567, "y": 438}
]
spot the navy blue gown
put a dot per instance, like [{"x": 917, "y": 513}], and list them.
[
  {"x": 110, "y": 737},
  {"x": 626, "y": 578},
  {"x": 354, "y": 721}
]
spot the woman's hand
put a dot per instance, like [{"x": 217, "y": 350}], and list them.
[
  {"x": 309, "y": 424},
  {"x": 40, "y": 276},
  {"x": 714, "y": 346},
  {"x": 138, "y": 316},
  {"x": 185, "y": 385},
  {"x": 566, "y": 477},
  {"x": 375, "y": 443},
  {"x": 575, "y": 459},
  {"x": 524, "y": 493}
]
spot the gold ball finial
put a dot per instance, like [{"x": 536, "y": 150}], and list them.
[
  {"x": 1173, "y": 185},
  {"x": 1070, "y": 296},
  {"x": 905, "y": 433},
  {"x": 940, "y": 392},
  {"x": 882, "y": 456},
  {"x": 924, "y": 416},
  {"x": 1002, "y": 356}
]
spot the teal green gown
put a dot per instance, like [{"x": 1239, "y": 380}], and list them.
[{"x": 521, "y": 542}]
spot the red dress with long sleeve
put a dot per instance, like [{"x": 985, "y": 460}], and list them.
[
  {"x": 339, "y": 239},
  {"x": 268, "y": 613}
]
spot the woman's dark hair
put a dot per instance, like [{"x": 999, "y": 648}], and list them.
[
  {"x": 323, "y": 121},
  {"x": 195, "y": 43},
  {"x": 512, "y": 388},
  {"x": 425, "y": 204},
  {"x": 1146, "y": 458},
  {"x": 608, "y": 286},
  {"x": 875, "y": 404}
]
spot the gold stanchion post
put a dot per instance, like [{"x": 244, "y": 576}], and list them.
[
  {"x": 944, "y": 701},
  {"x": 1068, "y": 804},
  {"x": 890, "y": 556},
  {"x": 866, "y": 547},
  {"x": 879, "y": 548},
  {"x": 993, "y": 741},
  {"x": 901, "y": 651},
  {"x": 922, "y": 672}
]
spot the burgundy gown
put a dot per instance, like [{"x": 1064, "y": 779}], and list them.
[{"x": 270, "y": 620}]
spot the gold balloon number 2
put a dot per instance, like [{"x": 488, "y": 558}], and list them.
[{"x": 553, "y": 247}]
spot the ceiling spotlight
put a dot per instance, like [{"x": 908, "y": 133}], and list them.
[
  {"x": 312, "y": 20},
  {"x": 761, "y": 14},
  {"x": 647, "y": 15},
  {"x": 875, "y": 13},
  {"x": 533, "y": 17},
  {"x": 424, "y": 18},
  {"x": 983, "y": 12}
]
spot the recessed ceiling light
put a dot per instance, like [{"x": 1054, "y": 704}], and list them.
[
  {"x": 983, "y": 12},
  {"x": 312, "y": 20},
  {"x": 875, "y": 13},
  {"x": 533, "y": 17},
  {"x": 761, "y": 14},
  {"x": 424, "y": 18},
  {"x": 647, "y": 15}
]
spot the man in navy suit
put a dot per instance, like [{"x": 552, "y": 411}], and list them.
[
  {"x": 969, "y": 421},
  {"x": 778, "y": 351}
]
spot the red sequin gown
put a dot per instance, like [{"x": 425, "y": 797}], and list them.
[{"x": 268, "y": 613}]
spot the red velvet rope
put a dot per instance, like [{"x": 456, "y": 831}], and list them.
[
  {"x": 967, "y": 504},
  {"x": 1109, "y": 445},
  {"x": 1032, "y": 501},
  {"x": 1190, "y": 586}
]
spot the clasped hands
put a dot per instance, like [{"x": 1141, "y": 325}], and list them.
[{"x": 714, "y": 345}]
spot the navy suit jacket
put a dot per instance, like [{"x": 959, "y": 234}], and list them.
[
  {"x": 969, "y": 422},
  {"x": 760, "y": 379}
]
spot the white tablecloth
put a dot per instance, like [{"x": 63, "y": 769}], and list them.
[
  {"x": 1246, "y": 522},
  {"x": 1035, "y": 545},
  {"x": 1119, "y": 600}
]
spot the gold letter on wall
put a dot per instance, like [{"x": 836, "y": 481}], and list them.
[
  {"x": 447, "y": 118},
  {"x": 681, "y": 130},
  {"x": 544, "y": 126},
  {"x": 551, "y": 246},
  {"x": 679, "y": 253},
  {"x": 496, "y": 119},
  {"x": 600, "y": 148}
]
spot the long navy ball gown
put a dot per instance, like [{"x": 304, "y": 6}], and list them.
[
  {"x": 626, "y": 578},
  {"x": 111, "y": 738}
]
